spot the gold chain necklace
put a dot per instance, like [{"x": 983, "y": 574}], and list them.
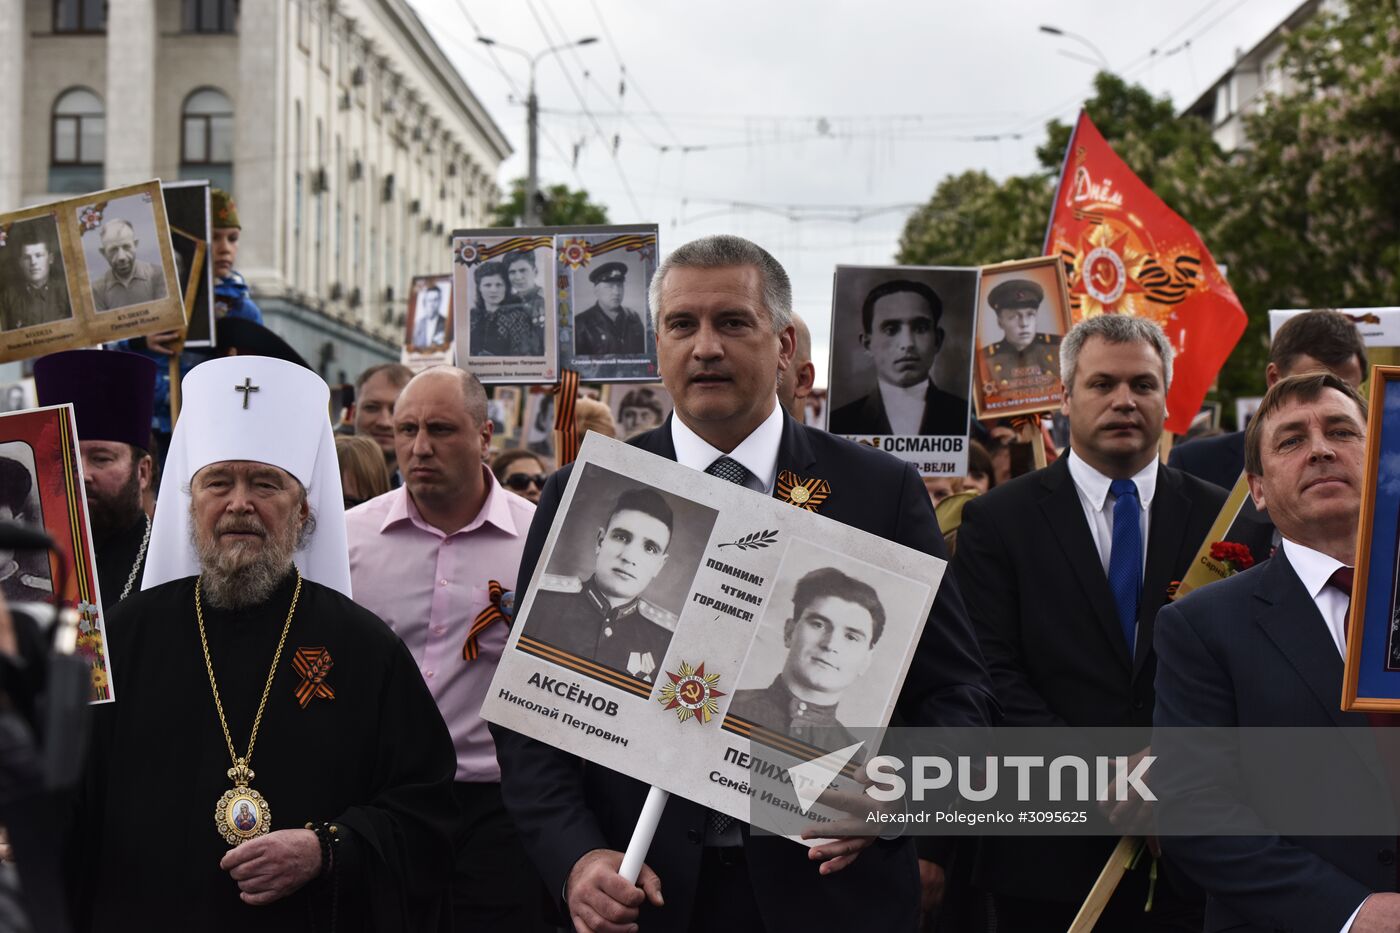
[{"x": 242, "y": 813}]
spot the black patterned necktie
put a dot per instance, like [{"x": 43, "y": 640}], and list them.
[{"x": 731, "y": 471}]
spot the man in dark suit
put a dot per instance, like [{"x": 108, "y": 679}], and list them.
[
  {"x": 1316, "y": 341},
  {"x": 1264, "y": 648},
  {"x": 1064, "y": 570},
  {"x": 900, "y": 331},
  {"x": 724, "y": 336}
]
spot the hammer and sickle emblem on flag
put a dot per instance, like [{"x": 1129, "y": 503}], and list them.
[{"x": 313, "y": 664}]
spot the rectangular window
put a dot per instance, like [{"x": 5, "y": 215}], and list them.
[
  {"x": 80, "y": 16},
  {"x": 209, "y": 15}
]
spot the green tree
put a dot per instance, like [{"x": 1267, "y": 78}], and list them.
[
  {"x": 1305, "y": 214},
  {"x": 561, "y": 206},
  {"x": 1308, "y": 214}
]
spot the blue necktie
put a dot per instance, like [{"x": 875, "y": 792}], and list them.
[{"x": 1125, "y": 557}]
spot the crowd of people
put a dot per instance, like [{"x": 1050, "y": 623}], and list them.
[{"x": 337, "y": 601}]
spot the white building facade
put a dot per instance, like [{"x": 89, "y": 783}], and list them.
[{"x": 351, "y": 144}]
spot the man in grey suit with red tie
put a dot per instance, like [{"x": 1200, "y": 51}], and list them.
[{"x": 1264, "y": 648}]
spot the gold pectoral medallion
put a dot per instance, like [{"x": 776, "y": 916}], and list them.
[{"x": 242, "y": 813}]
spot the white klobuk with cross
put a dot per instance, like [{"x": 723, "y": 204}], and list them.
[
  {"x": 732, "y": 562},
  {"x": 252, "y": 408}
]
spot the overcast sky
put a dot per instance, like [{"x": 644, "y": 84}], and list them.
[{"x": 861, "y": 109}]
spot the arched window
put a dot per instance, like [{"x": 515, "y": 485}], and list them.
[
  {"x": 78, "y": 142},
  {"x": 206, "y": 137}
]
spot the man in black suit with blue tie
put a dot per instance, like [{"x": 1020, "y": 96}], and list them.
[
  {"x": 1264, "y": 648},
  {"x": 1063, "y": 571},
  {"x": 724, "y": 336}
]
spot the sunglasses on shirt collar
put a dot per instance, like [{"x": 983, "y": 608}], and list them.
[{"x": 519, "y": 481}]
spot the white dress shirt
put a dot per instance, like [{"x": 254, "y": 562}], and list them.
[
  {"x": 1315, "y": 568},
  {"x": 757, "y": 453},
  {"x": 904, "y": 406},
  {"x": 1098, "y": 502}
]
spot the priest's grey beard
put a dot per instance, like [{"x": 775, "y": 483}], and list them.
[
  {"x": 110, "y": 515},
  {"x": 234, "y": 577}
]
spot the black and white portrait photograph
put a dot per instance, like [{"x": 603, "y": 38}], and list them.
[
  {"x": 638, "y": 408},
  {"x": 900, "y": 350},
  {"x": 428, "y": 326},
  {"x": 24, "y": 576},
  {"x": 17, "y": 396},
  {"x": 610, "y": 331},
  {"x": 506, "y": 320},
  {"x": 503, "y": 408},
  {"x": 1022, "y": 314},
  {"x": 187, "y": 211},
  {"x": 121, "y": 249},
  {"x": 830, "y": 646},
  {"x": 504, "y": 305},
  {"x": 538, "y": 421},
  {"x": 616, "y": 580},
  {"x": 33, "y": 277}
]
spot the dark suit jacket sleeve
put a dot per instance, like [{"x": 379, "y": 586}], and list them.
[
  {"x": 947, "y": 684},
  {"x": 1265, "y": 879},
  {"x": 543, "y": 787},
  {"x": 987, "y": 577}
]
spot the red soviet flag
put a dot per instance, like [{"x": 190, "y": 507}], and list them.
[{"x": 1125, "y": 252}]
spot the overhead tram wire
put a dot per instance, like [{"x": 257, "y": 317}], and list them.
[
  {"x": 510, "y": 81},
  {"x": 622, "y": 67},
  {"x": 602, "y": 138}
]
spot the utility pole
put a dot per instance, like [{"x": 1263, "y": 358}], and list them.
[{"x": 531, "y": 216}]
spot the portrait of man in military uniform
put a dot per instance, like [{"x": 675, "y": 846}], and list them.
[
  {"x": 607, "y": 327},
  {"x": 34, "y": 287},
  {"x": 523, "y": 273},
  {"x": 604, "y": 616},
  {"x": 830, "y": 637},
  {"x": 1020, "y": 371}
]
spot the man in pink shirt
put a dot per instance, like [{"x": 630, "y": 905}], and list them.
[{"x": 432, "y": 559}]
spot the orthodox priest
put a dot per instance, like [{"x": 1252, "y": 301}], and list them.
[
  {"x": 113, "y": 396},
  {"x": 273, "y": 761}
]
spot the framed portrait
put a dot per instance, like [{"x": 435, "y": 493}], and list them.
[
  {"x": 1023, "y": 313},
  {"x": 677, "y": 626},
  {"x": 191, "y": 236},
  {"x": 504, "y": 308},
  {"x": 638, "y": 408},
  {"x": 85, "y": 271},
  {"x": 537, "y": 421},
  {"x": 503, "y": 408},
  {"x": 41, "y": 485},
  {"x": 604, "y": 277},
  {"x": 1371, "y": 674},
  {"x": 901, "y": 362}
]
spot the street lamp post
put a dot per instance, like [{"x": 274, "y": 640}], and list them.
[
  {"x": 1056, "y": 31},
  {"x": 532, "y": 118}
]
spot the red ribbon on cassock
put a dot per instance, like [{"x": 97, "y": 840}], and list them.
[{"x": 313, "y": 664}]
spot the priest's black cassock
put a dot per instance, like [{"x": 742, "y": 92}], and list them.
[
  {"x": 117, "y": 554},
  {"x": 375, "y": 759}
]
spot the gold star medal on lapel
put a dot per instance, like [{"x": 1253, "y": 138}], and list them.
[{"x": 806, "y": 494}]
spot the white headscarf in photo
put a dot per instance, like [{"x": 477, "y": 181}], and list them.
[{"x": 266, "y": 410}]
